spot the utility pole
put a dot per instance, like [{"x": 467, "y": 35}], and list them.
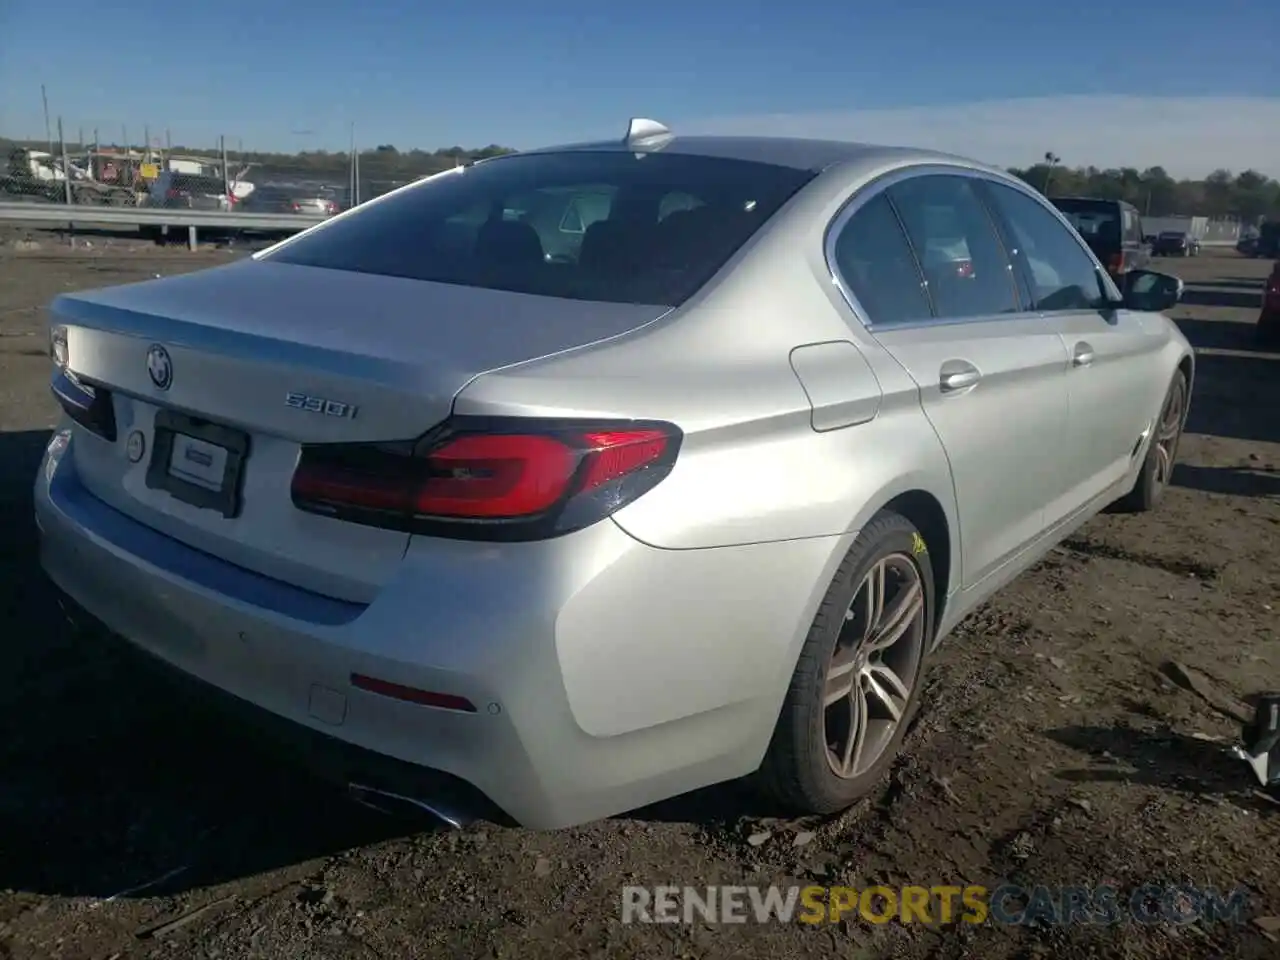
[
  {"x": 226, "y": 173},
  {"x": 48, "y": 129},
  {"x": 1051, "y": 159},
  {"x": 66, "y": 165},
  {"x": 351, "y": 185}
]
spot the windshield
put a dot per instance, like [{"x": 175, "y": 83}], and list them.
[{"x": 583, "y": 225}]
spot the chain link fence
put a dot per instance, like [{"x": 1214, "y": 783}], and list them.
[
  {"x": 227, "y": 177},
  {"x": 112, "y": 175}
]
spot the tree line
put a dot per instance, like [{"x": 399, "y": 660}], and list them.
[{"x": 1248, "y": 197}]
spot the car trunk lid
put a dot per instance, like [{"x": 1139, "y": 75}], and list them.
[{"x": 269, "y": 356}]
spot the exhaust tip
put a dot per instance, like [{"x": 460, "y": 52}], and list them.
[{"x": 397, "y": 804}]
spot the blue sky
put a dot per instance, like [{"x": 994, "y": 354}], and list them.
[{"x": 288, "y": 74}]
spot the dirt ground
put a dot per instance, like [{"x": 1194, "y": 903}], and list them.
[{"x": 1053, "y": 747}]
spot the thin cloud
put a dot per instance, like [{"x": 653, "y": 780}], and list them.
[{"x": 1188, "y": 136}]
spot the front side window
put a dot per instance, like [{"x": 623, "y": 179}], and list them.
[
  {"x": 875, "y": 261},
  {"x": 1062, "y": 275},
  {"x": 964, "y": 264},
  {"x": 583, "y": 225}
]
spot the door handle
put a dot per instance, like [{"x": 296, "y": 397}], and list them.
[
  {"x": 1082, "y": 355},
  {"x": 958, "y": 375}
]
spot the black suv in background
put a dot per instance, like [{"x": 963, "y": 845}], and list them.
[
  {"x": 1111, "y": 228},
  {"x": 1268, "y": 243}
]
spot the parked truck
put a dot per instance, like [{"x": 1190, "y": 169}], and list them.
[{"x": 38, "y": 175}]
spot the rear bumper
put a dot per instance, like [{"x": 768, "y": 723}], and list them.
[
  {"x": 342, "y": 764},
  {"x": 605, "y": 673}
]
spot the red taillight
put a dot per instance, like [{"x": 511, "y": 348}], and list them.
[
  {"x": 398, "y": 691},
  {"x": 1116, "y": 264},
  {"x": 509, "y": 481},
  {"x": 297, "y": 208}
]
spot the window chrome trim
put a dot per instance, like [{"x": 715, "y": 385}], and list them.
[{"x": 869, "y": 191}]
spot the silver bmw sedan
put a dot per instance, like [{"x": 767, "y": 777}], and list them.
[{"x": 572, "y": 480}]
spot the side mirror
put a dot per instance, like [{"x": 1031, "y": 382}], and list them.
[{"x": 1149, "y": 291}]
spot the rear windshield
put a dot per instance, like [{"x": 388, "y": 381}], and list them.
[
  {"x": 582, "y": 225},
  {"x": 1095, "y": 221}
]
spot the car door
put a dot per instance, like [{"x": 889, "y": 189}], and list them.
[
  {"x": 926, "y": 267},
  {"x": 1113, "y": 353}
]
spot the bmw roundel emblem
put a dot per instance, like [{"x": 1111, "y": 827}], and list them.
[{"x": 159, "y": 366}]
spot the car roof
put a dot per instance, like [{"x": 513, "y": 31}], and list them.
[{"x": 795, "y": 152}]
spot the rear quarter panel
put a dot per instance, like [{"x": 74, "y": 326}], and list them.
[
  {"x": 752, "y": 467},
  {"x": 764, "y": 500}
]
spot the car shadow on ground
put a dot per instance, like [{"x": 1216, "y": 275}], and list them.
[
  {"x": 1199, "y": 296},
  {"x": 1254, "y": 282},
  {"x": 1235, "y": 397},
  {"x": 110, "y": 784},
  {"x": 1237, "y": 283},
  {"x": 1166, "y": 760},
  {"x": 1221, "y": 334},
  {"x": 1237, "y": 385},
  {"x": 1235, "y": 481}
]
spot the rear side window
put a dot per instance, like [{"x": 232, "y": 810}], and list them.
[
  {"x": 963, "y": 261},
  {"x": 583, "y": 225},
  {"x": 876, "y": 263}
]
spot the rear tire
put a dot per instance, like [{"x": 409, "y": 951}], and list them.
[
  {"x": 1157, "y": 469},
  {"x": 817, "y": 762}
]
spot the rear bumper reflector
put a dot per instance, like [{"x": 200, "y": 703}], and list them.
[{"x": 426, "y": 698}]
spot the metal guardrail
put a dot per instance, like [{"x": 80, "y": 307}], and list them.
[
  {"x": 194, "y": 220},
  {"x": 153, "y": 217}
]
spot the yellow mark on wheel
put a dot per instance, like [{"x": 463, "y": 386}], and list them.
[{"x": 917, "y": 545}]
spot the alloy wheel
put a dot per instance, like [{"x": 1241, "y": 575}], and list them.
[
  {"x": 874, "y": 665},
  {"x": 1167, "y": 432}
]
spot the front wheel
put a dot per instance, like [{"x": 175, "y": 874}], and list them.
[
  {"x": 1157, "y": 468},
  {"x": 857, "y": 681}
]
